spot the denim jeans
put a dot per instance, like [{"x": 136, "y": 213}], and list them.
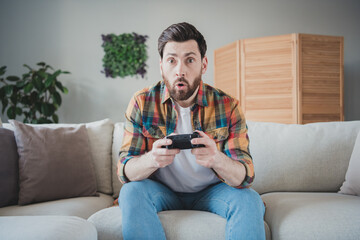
[{"x": 141, "y": 201}]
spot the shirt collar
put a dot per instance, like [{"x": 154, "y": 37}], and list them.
[{"x": 200, "y": 97}]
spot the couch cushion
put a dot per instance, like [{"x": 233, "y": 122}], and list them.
[
  {"x": 352, "y": 177},
  {"x": 117, "y": 141},
  {"x": 53, "y": 163},
  {"x": 186, "y": 224},
  {"x": 312, "y": 215},
  {"x": 9, "y": 169},
  {"x": 82, "y": 207},
  {"x": 44, "y": 228},
  {"x": 310, "y": 157},
  {"x": 100, "y": 136}
]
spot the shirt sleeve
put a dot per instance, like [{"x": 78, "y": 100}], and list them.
[
  {"x": 134, "y": 143},
  {"x": 237, "y": 145}
]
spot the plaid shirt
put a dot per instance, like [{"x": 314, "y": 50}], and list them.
[{"x": 151, "y": 115}]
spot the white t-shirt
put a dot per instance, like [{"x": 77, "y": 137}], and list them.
[{"x": 184, "y": 174}]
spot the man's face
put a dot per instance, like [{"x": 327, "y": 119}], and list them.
[{"x": 181, "y": 68}]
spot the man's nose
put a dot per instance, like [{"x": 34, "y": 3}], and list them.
[{"x": 180, "y": 70}]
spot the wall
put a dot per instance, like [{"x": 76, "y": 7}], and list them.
[{"x": 67, "y": 35}]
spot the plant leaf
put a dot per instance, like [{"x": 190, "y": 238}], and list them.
[
  {"x": 18, "y": 111},
  {"x": 27, "y": 66},
  {"x": 38, "y": 84},
  {"x": 2, "y": 92},
  {"x": 28, "y": 87},
  {"x": 21, "y": 84},
  {"x": 57, "y": 73},
  {"x": 56, "y": 98},
  {"x": 34, "y": 96},
  {"x": 42, "y": 74},
  {"x": 13, "y": 78},
  {"x": 59, "y": 86},
  {"x": 44, "y": 120},
  {"x": 9, "y": 89},
  {"x": 66, "y": 91},
  {"x": 11, "y": 112},
  {"x": 49, "y": 81},
  {"x": 47, "y": 109},
  {"x": 2, "y": 70},
  {"x": 41, "y": 64},
  {"x": 55, "y": 118},
  {"x": 14, "y": 97}
]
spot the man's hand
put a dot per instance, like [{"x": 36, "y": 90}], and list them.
[
  {"x": 205, "y": 156},
  {"x": 162, "y": 157},
  {"x": 233, "y": 172},
  {"x": 141, "y": 167}
]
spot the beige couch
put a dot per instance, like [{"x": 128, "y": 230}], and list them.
[{"x": 299, "y": 170}]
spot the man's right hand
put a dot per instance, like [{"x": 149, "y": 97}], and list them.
[
  {"x": 141, "y": 167},
  {"x": 162, "y": 157}
]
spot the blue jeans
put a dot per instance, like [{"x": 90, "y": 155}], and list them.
[{"x": 141, "y": 201}]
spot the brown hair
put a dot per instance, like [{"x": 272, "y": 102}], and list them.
[{"x": 181, "y": 32}]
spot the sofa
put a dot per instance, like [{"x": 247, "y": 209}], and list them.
[{"x": 306, "y": 175}]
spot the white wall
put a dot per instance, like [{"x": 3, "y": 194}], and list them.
[{"x": 67, "y": 35}]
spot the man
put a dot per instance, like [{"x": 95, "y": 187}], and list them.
[{"x": 214, "y": 178}]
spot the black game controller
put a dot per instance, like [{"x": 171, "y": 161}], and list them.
[{"x": 183, "y": 141}]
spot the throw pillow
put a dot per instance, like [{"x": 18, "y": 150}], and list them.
[
  {"x": 100, "y": 135},
  {"x": 9, "y": 170},
  {"x": 352, "y": 178},
  {"x": 53, "y": 163}
]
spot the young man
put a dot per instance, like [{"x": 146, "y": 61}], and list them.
[{"x": 215, "y": 178}]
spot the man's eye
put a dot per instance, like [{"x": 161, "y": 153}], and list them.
[
  {"x": 171, "y": 61},
  {"x": 191, "y": 60}
]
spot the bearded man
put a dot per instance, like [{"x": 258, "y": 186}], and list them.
[{"x": 215, "y": 177}]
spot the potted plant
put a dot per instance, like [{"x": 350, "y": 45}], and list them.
[{"x": 35, "y": 95}]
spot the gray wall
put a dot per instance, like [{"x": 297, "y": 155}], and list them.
[{"x": 67, "y": 35}]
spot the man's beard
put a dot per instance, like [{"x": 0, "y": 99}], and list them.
[{"x": 181, "y": 95}]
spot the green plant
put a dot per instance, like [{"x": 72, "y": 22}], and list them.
[
  {"x": 35, "y": 95},
  {"x": 125, "y": 55}
]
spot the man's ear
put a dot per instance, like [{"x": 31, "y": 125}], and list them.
[
  {"x": 160, "y": 65},
  {"x": 204, "y": 64}
]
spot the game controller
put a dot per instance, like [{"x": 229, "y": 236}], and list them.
[{"x": 183, "y": 141}]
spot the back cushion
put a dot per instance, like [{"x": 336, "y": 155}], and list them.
[
  {"x": 291, "y": 157},
  {"x": 117, "y": 141},
  {"x": 9, "y": 168}
]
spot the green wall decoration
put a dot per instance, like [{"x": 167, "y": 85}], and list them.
[{"x": 125, "y": 55}]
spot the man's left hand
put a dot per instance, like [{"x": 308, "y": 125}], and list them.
[{"x": 205, "y": 156}]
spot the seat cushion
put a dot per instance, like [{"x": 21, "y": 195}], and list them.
[
  {"x": 186, "y": 224},
  {"x": 81, "y": 207},
  {"x": 312, "y": 215},
  {"x": 46, "y": 227}
]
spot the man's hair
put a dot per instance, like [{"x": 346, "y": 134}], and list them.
[{"x": 181, "y": 32}]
